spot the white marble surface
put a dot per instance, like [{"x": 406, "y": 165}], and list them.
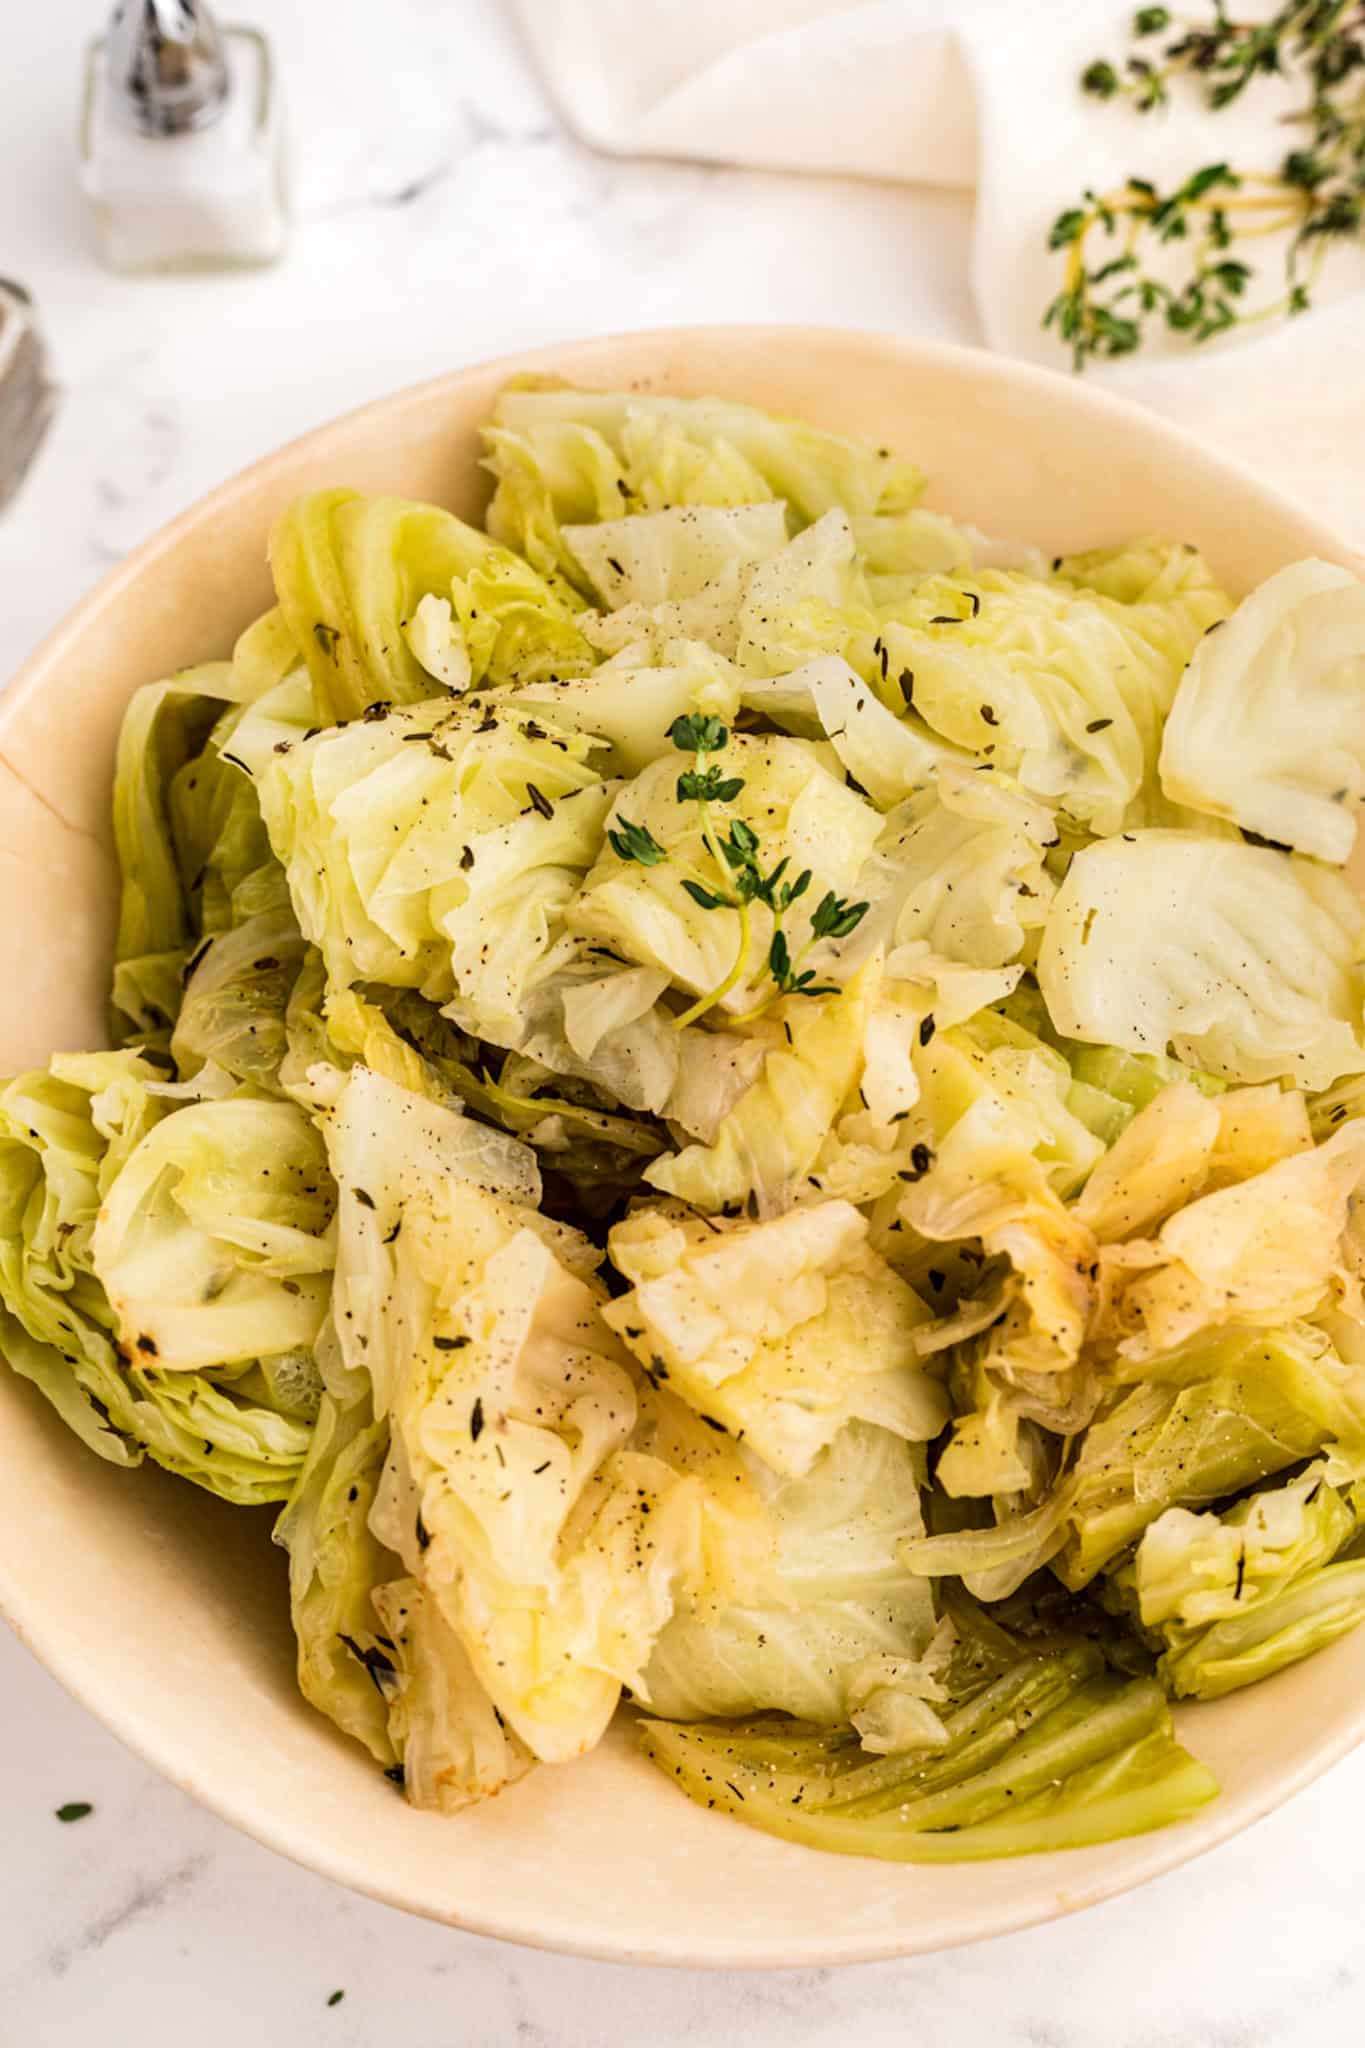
[{"x": 444, "y": 217}]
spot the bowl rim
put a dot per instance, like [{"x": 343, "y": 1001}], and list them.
[{"x": 133, "y": 1722}]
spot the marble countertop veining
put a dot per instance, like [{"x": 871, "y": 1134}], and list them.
[{"x": 444, "y": 215}]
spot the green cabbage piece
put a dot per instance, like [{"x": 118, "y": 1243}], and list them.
[
  {"x": 843, "y": 1614},
  {"x": 890, "y": 755},
  {"x": 1209, "y": 1420},
  {"x": 793, "y": 807},
  {"x": 656, "y": 558},
  {"x": 350, "y": 573},
  {"x": 1239, "y": 959},
  {"x": 1053, "y": 1754},
  {"x": 1221, "y": 1414},
  {"x": 214, "y": 1241},
  {"x": 1265, "y": 727},
  {"x": 335, "y": 1563},
  {"x": 65, "y": 1138},
  {"x": 166, "y": 726},
  {"x": 517, "y": 627},
  {"x": 437, "y": 849},
  {"x": 1280, "y": 1630},
  {"x": 1067, "y": 686},
  {"x": 565, "y": 458},
  {"x": 633, "y": 708},
  {"x": 962, "y": 861},
  {"x": 233, "y": 1011},
  {"x": 809, "y": 601},
  {"x": 1227, "y": 1598}
]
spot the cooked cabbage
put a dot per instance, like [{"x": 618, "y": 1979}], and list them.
[
  {"x": 350, "y": 572},
  {"x": 1265, "y": 728},
  {"x": 788, "y": 802},
  {"x": 840, "y": 1600},
  {"x": 1240, "y": 959},
  {"x": 214, "y": 1241},
  {"x": 780, "y": 1332},
  {"x": 437, "y": 849},
  {"x": 66, "y": 1138},
  {"x": 738, "y": 1094},
  {"x": 564, "y": 458},
  {"x": 1063, "y": 687}
]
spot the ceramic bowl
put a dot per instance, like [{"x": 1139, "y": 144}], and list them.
[{"x": 163, "y": 1611}]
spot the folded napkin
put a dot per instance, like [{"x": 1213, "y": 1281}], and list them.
[{"x": 976, "y": 94}]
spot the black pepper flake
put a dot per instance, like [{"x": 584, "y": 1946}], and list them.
[
  {"x": 74, "y": 1809},
  {"x": 921, "y": 1159},
  {"x": 380, "y": 1666},
  {"x": 927, "y": 1028},
  {"x": 423, "y": 1533},
  {"x": 376, "y": 713},
  {"x": 541, "y": 801},
  {"x": 988, "y": 712},
  {"x": 612, "y": 563},
  {"x": 1099, "y": 725},
  {"x": 536, "y": 1470},
  {"x": 711, "y": 1423},
  {"x": 365, "y": 1200},
  {"x": 390, "y": 1235},
  {"x": 488, "y": 724},
  {"x": 195, "y": 957},
  {"x": 326, "y": 637},
  {"x": 450, "y": 1343},
  {"x": 476, "y": 1420}
]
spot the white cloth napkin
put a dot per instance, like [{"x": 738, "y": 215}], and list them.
[{"x": 980, "y": 94}]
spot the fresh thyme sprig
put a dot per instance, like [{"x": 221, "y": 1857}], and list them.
[
  {"x": 1110, "y": 294},
  {"x": 737, "y": 879}
]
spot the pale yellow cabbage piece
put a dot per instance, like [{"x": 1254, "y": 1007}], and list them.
[
  {"x": 1260, "y": 1252},
  {"x": 780, "y": 1332}
]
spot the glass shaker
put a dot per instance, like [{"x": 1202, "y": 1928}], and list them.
[{"x": 182, "y": 142}]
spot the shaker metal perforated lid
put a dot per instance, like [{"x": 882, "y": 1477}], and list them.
[{"x": 165, "y": 58}]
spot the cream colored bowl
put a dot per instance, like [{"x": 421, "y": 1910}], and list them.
[{"x": 164, "y": 1611}]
